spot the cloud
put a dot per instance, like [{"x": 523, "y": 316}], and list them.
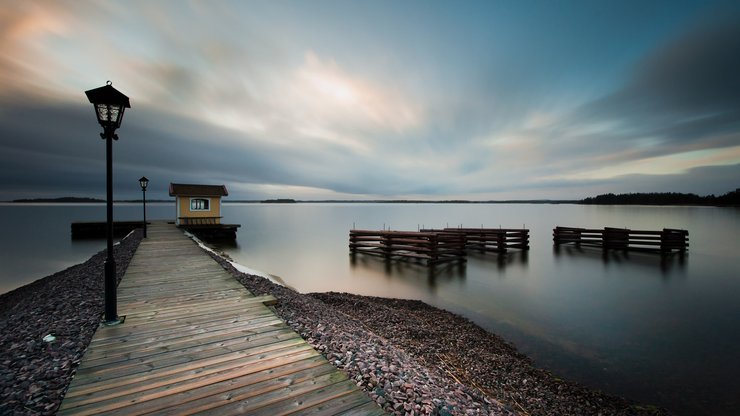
[
  {"x": 683, "y": 96},
  {"x": 678, "y": 107},
  {"x": 255, "y": 98}
]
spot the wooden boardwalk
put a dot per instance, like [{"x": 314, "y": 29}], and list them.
[{"x": 195, "y": 341}]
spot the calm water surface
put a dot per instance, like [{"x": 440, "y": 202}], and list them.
[{"x": 662, "y": 331}]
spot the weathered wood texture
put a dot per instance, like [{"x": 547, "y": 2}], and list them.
[
  {"x": 665, "y": 241},
  {"x": 194, "y": 340},
  {"x": 496, "y": 240},
  {"x": 432, "y": 247}
]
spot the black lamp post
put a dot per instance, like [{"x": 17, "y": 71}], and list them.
[
  {"x": 109, "y": 104},
  {"x": 144, "y": 182}
]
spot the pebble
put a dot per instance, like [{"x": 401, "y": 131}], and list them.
[
  {"x": 41, "y": 346},
  {"x": 402, "y": 351}
]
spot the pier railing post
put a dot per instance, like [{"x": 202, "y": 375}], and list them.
[
  {"x": 433, "y": 242},
  {"x": 501, "y": 241}
]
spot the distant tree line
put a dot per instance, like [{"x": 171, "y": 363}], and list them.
[
  {"x": 731, "y": 198},
  {"x": 65, "y": 199}
]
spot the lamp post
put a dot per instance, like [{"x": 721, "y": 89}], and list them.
[
  {"x": 109, "y": 104},
  {"x": 144, "y": 182}
]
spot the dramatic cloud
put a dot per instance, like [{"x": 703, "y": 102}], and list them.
[{"x": 375, "y": 100}]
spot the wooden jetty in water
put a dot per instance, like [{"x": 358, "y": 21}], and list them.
[
  {"x": 665, "y": 241},
  {"x": 495, "y": 240},
  {"x": 210, "y": 231},
  {"x": 194, "y": 340},
  {"x": 97, "y": 229},
  {"x": 432, "y": 247},
  {"x": 437, "y": 245}
]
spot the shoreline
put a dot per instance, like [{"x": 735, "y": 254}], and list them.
[
  {"x": 422, "y": 355},
  {"x": 410, "y": 357},
  {"x": 69, "y": 305}
]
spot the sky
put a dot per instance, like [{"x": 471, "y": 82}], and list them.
[{"x": 429, "y": 100}]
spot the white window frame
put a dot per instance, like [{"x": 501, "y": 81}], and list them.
[{"x": 200, "y": 199}]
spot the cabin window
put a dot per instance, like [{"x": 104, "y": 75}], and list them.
[{"x": 200, "y": 204}]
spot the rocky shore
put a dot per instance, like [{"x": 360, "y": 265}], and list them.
[
  {"x": 414, "y": 359},
  {"x": 67, "y": 305},
  {"x": 411, "y": 358}
]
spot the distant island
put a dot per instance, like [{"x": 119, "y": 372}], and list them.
[
  {"x": 731, "y": 198},
  {"x": 66, "y": 199},
  {"x": 279, "y": 201}
]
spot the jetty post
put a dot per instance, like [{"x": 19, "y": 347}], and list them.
[{"x": 109, "y": 104}]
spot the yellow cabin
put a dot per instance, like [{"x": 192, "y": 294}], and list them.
[{"x": 198, "y": 204}]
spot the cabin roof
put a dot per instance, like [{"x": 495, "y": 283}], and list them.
[{"x": 184, "y": 189}]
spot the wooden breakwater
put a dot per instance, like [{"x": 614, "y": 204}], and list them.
[
  {"x": 664, "y": 241},
  {"x": 209, "y": 228},
  {"x": 90, "y": 229},
  {"x": 432, "y": 247},
  {"x": 495, "y": 240},
  {"x": 213, "y": 231}
]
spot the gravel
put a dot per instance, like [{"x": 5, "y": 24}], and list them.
[
  {"x": 413, "y": 358},
  {"x": 67, "y": 305}
]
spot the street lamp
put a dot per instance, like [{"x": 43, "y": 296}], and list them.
[
  {"x": 109, "y": 104},
  {"x": 144, "y": 182}
]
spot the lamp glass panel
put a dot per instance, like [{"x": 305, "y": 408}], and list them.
[{"x": 109, "y": 115}]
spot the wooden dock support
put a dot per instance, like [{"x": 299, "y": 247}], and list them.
[
  {"x": 495, "y": 240},
  {"x": 97, "y": 229},
  {"x": 432, "y": 247},
  {"x": 437, "y": 245},
  {"x": 665, "y": 241}
]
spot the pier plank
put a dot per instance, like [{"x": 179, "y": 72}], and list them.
[{"x": 194, "y": 340}]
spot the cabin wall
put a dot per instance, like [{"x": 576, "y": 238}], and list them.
[{"x": 183, "y": 208}]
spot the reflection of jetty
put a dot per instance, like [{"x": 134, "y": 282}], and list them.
[
  {"x": 437, "y": 246},
  {"x": 665, "y": 241},
  {"x": 496, "y": 240}
]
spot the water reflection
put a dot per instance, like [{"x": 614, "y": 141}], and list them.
[
  {"x": 503, "y": 260},
  {"x": 434, "y": 274},
  {"x": 222, "y": 243},
  {"x": 666, "y": 263},
  {"x": 410, "y": 269}
]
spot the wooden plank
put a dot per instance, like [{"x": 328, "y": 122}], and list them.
[
  {"x": 193, "y": 339},
  {"x": 205, "y": 390},
  {"x": 288, "y": 399}
]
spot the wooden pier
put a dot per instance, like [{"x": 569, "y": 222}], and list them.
[
  {"x": 194, "y": 340},
  {"x": 492, "y": 240},
  {"x": 665, "y": 241},
  {"x": 432, "y": 247}
]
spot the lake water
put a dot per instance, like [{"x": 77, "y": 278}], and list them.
[{"x": 664, "y": 331}]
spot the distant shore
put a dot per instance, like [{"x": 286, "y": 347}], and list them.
[
  {"x": 408, "y": 356},
  {"x": 731, "y": 198}
]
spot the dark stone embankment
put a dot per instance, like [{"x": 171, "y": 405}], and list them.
[{"x": 68, "y": 305}]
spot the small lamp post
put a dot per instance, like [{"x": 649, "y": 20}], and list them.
[
  {"x": 144, "y": 182},
  {"x": 109, "y": 104}
]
